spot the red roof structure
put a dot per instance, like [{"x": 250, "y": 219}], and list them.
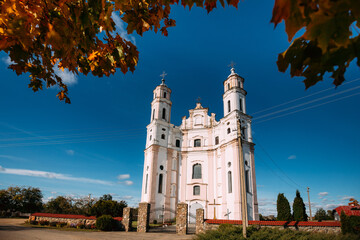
[{"x": 348, "y": 210}]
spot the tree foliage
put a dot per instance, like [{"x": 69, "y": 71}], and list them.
[
  {"x": 283, "y": 208},
  {"x": 299, "y": 210},
  {"x": 27, "y": 200},
  {"x": 59, "y": 205},
  {"x": 108, "y": 207},
  {"x": 321, "y": 215},
  {"x": 330, "y": 40},
  {"x": 78, "y": 35}
]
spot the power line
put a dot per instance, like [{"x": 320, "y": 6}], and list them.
[
  {"x": 303, "y": 109},
  {"x": 258, "y": 143},
  {"x": 296, "y": 99},
  {"x": 306, "y": 103}
]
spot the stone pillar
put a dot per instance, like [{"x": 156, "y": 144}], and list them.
[
  {"x": 199, "y": 221},
  {"x": 127, "y": 219},
  {"x": 143, "y": 217},
  {"x": 181, "y": 218}
]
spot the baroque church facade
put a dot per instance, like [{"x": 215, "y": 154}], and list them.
[{"x": 199, "y": 162}]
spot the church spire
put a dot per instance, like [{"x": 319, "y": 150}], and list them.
[{"x": 163, "y": 78}]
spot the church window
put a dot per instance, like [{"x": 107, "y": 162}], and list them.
[
  {"x": 153, "y": 114},
  {"x": 241, "y": 105},
  {"x": 146, "y": 182},
  {"x": 197, "y": 143},
  {"x": 196, "y": 171},
  {"x": 246, "y": 163},
  {"x": 161, "y": 167},
  {"x": 177, "y": 144},
  {"x": 164, "y": 114},
  {"x": 229, "y": 164},
  {"x": 196, "y": 190},
  {"x": 160, "y": 183},
  {"x": 163, "y": 129},
  {"x": 150, "y": 137},
  {"x": 228, "y": 86},
  {"x": 164, "y": 94},
  {"x": 229, "y": 106},
  {"x": 229, "y": 182},
  {"x": 228, "y": 131},
  {"x": 162, "y": 136},
  {"x": 247, "y": 181},
  {"x": 216, "y": 140}
]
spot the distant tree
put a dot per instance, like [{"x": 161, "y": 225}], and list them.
[
  {"x": 353, "y": 202},
  {"x": 330, "y": 215},
  {"x": 21, "y": 199},
  {"x": 283, "y": 208},
  {"x": 60, "y": 205},
  {"x": 299, "y": 210},
  {"x": 321, "y": 215},
  {"x": 108, "y": 207},
  {"x": 106, "y": 197},
  {"x": 4, "y": 200}
]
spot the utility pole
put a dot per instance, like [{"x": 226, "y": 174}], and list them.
[
  {"x": 244, "y": 214},
  {"x": 309, "y": 203}
]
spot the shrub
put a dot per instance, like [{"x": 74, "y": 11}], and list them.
[
  {"x": 80, "y": 226},
  {"x": 44, "y": 222},
  {"x": 34, "y": 222},
  {"x": 105, "y": 223},
  {"x": 350, "y": 224},
  {"x": 61, "y": 224},
  {"x": 53, "y": 224}
]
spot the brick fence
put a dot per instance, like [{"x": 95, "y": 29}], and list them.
[{"x": 326, "y": 227}]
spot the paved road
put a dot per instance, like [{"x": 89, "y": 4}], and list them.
[{"x": 11, "y": 229}]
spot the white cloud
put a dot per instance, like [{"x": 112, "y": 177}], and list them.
[
  {"x": 123, "y": 176},
  {"x": 346, "y": 197},
  {"x": 67, "y": 77},
  {"x": 127, "y": 197},
  {"x": 70, "y": 152},
  {"x": 323, "y": 194},
  {"x": 331, "y": 206},
  {"x": 12, "y": 158},
  {"x": 51, "y": 175},
  {"x": 128, "y": 182},
  {"x": 291, "y": 157},
  {"x": 7, "y": 60},
  {"x": 53, "y": 192},
  {"x": 120, "y": 28}
]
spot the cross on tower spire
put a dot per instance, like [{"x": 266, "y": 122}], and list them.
[
  {"x": 232, "y": 65},
  {"x": 198, "y": 99},
  {"x": 163, "y": 77}
]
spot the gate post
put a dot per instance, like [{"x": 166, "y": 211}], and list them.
[
  {"x": 199, "y": 221},
  {"x": 181, "y": 218},
  {"x": 127, "y": 219},
  {"x": 143, "y": 217}
]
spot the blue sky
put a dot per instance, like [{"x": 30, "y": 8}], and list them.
[{"x": 95, "y": 145}]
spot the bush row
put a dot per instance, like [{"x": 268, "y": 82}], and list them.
[
  {"x": 63, "y": 224},
  {"x": 230, "y": 232}
]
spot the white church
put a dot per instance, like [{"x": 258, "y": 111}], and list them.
[{"x": 198, "y": 162}]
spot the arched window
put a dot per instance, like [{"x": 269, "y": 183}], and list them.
[
  {"x": 241, "y": 105},
  {"x": 216, "y": 140},
  {"x": 160, "y": 183},
  {"x": 162, "y": 136},
  {"x": 146, "y": 182},
  {"x": 197, "y": 143},
  {"x": 243, "y": 133},
  {"x": 153, "y": 114},
  {"x": 164, "y": 114},
  {"x": 164, "y": 94},
  {"x": 196, "y": 190},
  {"x": 228, "y": 86},
  {"x": 229, "y": 182},
  {"x": 229, "y": 106},
  {"x": 196, "y": 174},
  {"x": 177, "y": 143},
  {"x": 247, "y": 181},
  {"x": 228, "y": 131},
  {"x": 150, "y": 137}
]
